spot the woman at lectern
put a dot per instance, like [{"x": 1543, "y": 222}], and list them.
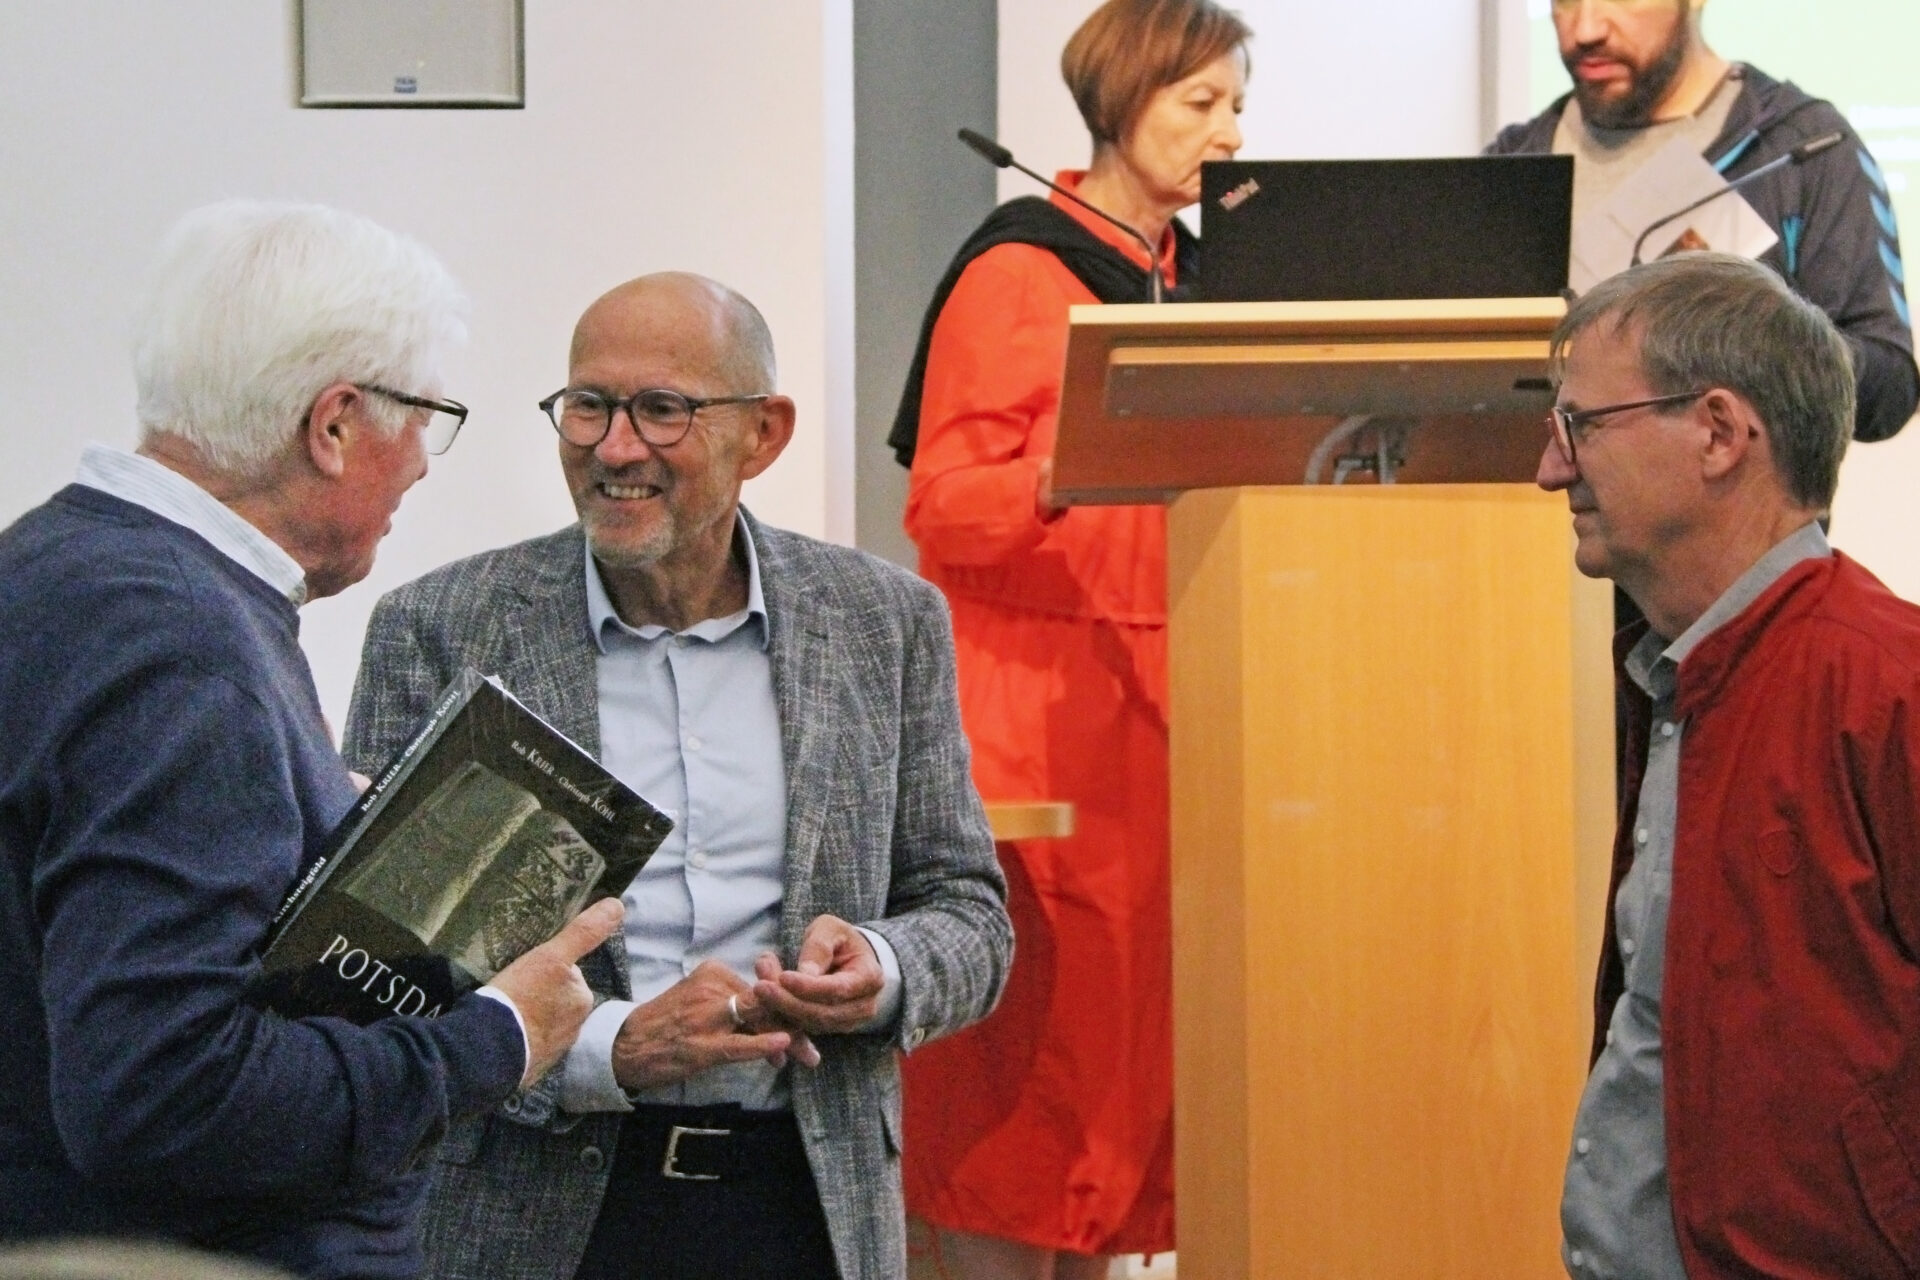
[{"x": 1040, "y": 1142}]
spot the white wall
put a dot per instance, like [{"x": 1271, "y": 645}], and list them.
[
  {"x": 1358, "y": 78},
  {"x": 1873, "y": 514},
  {"x": 714, "y": 137}
]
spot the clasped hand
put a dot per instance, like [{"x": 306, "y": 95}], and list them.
[{"x": 712, "y": 1016}]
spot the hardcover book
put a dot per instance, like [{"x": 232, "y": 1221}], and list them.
[{"x": 484, "y": 835}]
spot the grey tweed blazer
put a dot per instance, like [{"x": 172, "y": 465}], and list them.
[{"x": 884, "y": 829}]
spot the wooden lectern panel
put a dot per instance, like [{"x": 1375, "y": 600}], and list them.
[
  {"x": 1392, "y": 788},
  {"x": 1158, "y": 400}
]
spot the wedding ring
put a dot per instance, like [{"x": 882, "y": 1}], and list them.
[{"x": 733, "y": 1011}]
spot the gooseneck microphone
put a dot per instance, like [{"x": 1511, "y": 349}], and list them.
[
  {"x": 1001, "y": 158},
  {"x": 1799, "y": 155}
]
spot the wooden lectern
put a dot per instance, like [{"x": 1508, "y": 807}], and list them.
[{"x": 1392, "y": 773}]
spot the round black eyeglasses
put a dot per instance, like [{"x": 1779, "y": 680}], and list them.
[{"x": 660, "y": 417}]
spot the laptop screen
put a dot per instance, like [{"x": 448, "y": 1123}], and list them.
[{"x": 1338, "y": 230}]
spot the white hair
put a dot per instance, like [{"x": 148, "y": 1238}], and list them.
[{"x": 253, "y": 309}]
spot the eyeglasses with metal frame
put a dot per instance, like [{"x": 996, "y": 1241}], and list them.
[
  {"x": 659, "y": 416},
  {"x": 445, "y": 417},
  {"x": 1570, "y": 426}
]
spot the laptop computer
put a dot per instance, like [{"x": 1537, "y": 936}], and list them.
[{"x": 1339, "y": 230}]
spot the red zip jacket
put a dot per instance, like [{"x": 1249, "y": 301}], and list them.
[{"x": 1791, "y": 1010}]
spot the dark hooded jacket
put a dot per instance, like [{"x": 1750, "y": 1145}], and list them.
[{"x": 1838, "y": 244}]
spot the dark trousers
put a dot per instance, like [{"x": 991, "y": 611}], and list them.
[{"x": 709, "y": 1193}]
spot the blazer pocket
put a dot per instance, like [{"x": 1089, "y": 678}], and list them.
[
  {"x": 890, "y": 1126},
  {"x": 890, "y": 1123},
  {"x": 1884, "y": 1170}
]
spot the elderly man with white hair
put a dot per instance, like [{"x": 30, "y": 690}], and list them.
[{"x": 165, "y": 774}]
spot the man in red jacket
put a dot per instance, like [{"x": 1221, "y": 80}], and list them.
[{"x": 1754, "y": 1104}]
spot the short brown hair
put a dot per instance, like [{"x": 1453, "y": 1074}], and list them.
[
  {"x": 1717, "y": 320},
  {"x": 1128, "y": 50}
]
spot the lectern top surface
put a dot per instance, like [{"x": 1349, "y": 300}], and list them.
[
  {"x": 1136, "y": 320},
  {"x": 1157, "y": 400}
]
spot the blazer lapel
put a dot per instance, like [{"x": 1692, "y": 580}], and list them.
[
  {"x": 550, "y": 666},
  {"x": 550, "y": 650},
  {"x": 799, "y": 640}
]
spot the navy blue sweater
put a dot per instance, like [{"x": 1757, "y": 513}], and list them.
[{"x": 165, "y": 774}]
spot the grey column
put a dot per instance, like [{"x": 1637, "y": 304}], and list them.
[{"x": 922, "y": 69}]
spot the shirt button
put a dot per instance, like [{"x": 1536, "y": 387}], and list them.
[
  {"x": 915, "y": 1037},
  {"x": 1666, "y": 729},
  {"x": 1609, "y": 1035},
  {"x": 1640, "y": 836},
  {"x": 1626, "y": 946},
  {"x": 1577, "y": 1258},
  {"x": 693, "y": 744},
  {"x": 1582, "y": 1146},
  {"x": 697, "y": 859},
  {"x": 592, "y": 1159}
]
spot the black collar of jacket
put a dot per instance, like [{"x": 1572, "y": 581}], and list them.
[{"x": 1108, "y": 273}]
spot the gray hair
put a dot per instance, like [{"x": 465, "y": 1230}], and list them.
[
  {"x": 253, "y": 309},
  {"x": 1717, "y": 320},
  {"x": 751, "y": 342},
  {"x": 746, "y": 357}
]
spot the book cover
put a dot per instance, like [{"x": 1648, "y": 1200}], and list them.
[{"x": 483, "y": 836}]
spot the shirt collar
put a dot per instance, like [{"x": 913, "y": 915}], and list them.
[
  {"x": 1654, "y": 662},
  {"x": 171, "y": 496},
  {"x": 602, "y": 618}
]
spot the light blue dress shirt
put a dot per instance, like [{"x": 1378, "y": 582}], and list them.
[
  {"x": 689, "y": 720},
  {"x": 1616, "y": 1210}
]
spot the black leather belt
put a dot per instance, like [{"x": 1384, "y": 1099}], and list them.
[
  {"x": 709, "y": 1193},
  {"x": 710, "y": 1144}
]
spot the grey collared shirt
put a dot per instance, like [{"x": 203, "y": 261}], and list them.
[
  {"x": 689, "y": 720},
  {"x": 171, "y": 496},
  {"x": 1604, "y": 160},
  {"x": 1616, "y": 1212}
]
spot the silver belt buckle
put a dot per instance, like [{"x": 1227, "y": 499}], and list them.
[{"x": 679, "y": 1131}]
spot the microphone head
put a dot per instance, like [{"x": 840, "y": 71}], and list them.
[
  {"x": 1813, "y": 147},
  {"x": 998, "y": 156}
]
